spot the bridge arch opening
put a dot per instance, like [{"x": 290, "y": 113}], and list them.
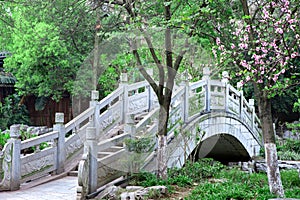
[{"x": 221, "y": 147}]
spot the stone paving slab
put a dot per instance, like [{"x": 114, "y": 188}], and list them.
[{"x": 61, "y": 189}]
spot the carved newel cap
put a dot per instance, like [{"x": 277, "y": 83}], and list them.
[
  {"x": 59, "y": 118},
  {"x": 206, "y": 73},
  {"x": 149, "y": 71},
  {"x": 225, "y": 77},
  {"x": 14, "y": 131},
  {"x": 124, "y": 78},
  {"x": 95, "y": 95},
  {"x": 251, "y": 102},
  {"x": 239, "y": 85},
  {"x": 91, "y": 133}
]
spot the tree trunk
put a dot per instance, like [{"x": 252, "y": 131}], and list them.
[
  {"x": 274, "y": 179},
  {"x": 162, "y": 138}
]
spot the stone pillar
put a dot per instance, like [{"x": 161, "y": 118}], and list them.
[
  {"x": 185, "y": 84},
  {"x": 225, "y": 79},
  {"x": 92, "y": 147},
  {"x": 150, "y": 92},
  {"x": 251, "y": 103},
  {"x": 206, "y": 77},
  {"x": 95, "y": 118},
  {"x": 61, "y": 152},
  {"x": 16, "y": 158},
  {"x": 239, "y": 86},
  {"x": 130, "y": 125},
  {"x": 124, "y": 85}
]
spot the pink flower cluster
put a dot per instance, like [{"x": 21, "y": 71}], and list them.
[{"x": 270, "y": 54}]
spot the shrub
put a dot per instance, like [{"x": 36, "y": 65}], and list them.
[{"x": 12, "y": 113}]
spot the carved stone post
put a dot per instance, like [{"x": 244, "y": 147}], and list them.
[
  {"x": 124, "y": 84},
  {"x": 239, "y": 86},
  {"x": 16, "y": 157},
  {"x": 251, "y": 103},
  {"x": 225, "y": 79},
  {"x": 206, "y": 77},
  {"x": 61, "y": 153},
  {"x": 130, "y": 125},
  {"x": 94, "y": 119},
  {"x": 150, "y": 91},
  {"x": 186, "y": 85},
  {"x": 92, "y": 147}
]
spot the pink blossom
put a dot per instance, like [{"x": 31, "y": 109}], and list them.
[
  {"x": 294, "y": 55},
  {"x": 245, "y": 64},
  {"x": 266, "y": 13},
  {"x": 275, "y": 78},
  {"x": 248, "y": 78},
  {"x": 218, "y": 41},
  {"x": 264, "y": 50},
  {"x": 232, "y": 46},
  {"x": 264, "y": 44},
  {"x": 214, "y": 52},
  {"x": 259, "y": 81},
  {"x": 282, "y": 71},
  {"x": 243, "y": 45},
  {"x": 273, "y": 3},
  {"x": 279, "y": 30},
  {"x": 254, "y": 71},
  {"x": 248, "y": 28}
]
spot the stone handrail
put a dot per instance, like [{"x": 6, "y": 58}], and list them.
[{"x": 61, "y": 150}]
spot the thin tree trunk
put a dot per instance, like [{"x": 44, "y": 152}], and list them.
[
  {"x": 274, "y": 179},
  {"x": 162, "y": 138}
]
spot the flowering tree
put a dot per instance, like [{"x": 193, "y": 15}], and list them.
[{"x": 264, "y": 44}]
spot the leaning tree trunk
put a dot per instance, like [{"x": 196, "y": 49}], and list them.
[{"x": 274, "y": 179}]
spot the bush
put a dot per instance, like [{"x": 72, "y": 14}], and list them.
[
  {"x": 241, "y": 185},
  {"x": 204, "y": 168},
  {"x": 12, "y": 113}
]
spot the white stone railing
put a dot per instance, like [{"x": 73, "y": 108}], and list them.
[{"x": 59, "y": 156}]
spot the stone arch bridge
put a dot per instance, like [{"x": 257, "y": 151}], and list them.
[{"x": 114, "y": 136}]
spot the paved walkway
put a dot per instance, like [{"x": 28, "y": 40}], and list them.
[{"x": 61, "y": 189}]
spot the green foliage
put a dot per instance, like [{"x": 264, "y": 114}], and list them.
[
  {"x": 197, "y": 171},
  {"x": 186, "y": 176},
  {"x": 139, "y": 145},
  {"x": 12, "y": 113},
  {"x": 3, "y": 139},
  {"x": 216, "y": 181},
  {"x": 48, "y": 42},
  {"x": 237, "y": 184},
  {"x": 289, "y": 149}
]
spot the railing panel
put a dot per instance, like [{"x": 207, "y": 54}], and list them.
[
  {"x": 110, "y": 117},
  {"x": 234, "y": 105},
  {"x": 147, "y": 120},
  {"x": 196, "y": 103},
  {"x": 76, "y": 122},
  {"x": 138, "y": 102},
  {"x": 110, "y": 98},
  {"x": 137, "y": 86},
  {"x": 38, "y": 140},
  {"x": 39, "y": 164}
]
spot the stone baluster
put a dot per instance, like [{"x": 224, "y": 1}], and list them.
[
  {"x": 251, "y": 103},
  {"x": 92, "y": 148},
  {"x": 150, "y": 92},
  {"x": 124, "y": 85},
  {"x": 185, "y": 84},
  {"x": 130, "y": 125},
  {"x": 239, "y": 86},
  {"x": 61, "y": 153},
  {"x": 225, "y": 79},
  {"x": 16, "y": 157},
  {"x": 95, "y": 118},
  {"x": 206, "y": 77}
]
